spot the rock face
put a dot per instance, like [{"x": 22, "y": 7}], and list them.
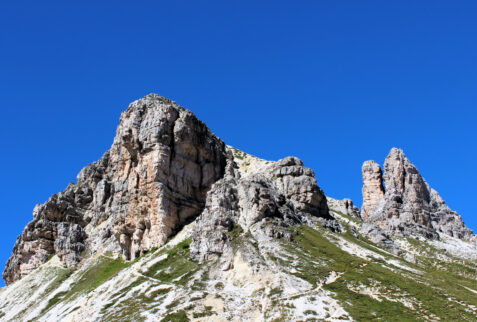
[
  {"x": 164, "y": 169},
  {"x": 263, "y": 203},
  {"x": 163, "y": 162},
  {"x": 345, "y": 206},
  {"x": 373, "y": 190},
  {"x": 407, "y": 205},
  {"x": 57, "y": 227},
  {"x": 152, "y": 181}
]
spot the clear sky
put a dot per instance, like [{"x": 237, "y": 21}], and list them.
[{"x": 332, "y": 82}]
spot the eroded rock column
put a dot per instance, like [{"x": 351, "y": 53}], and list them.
[{"x": 373, "y": 190}]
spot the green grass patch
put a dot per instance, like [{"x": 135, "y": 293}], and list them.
[
  {"x": 53, "y": 301},
  {"x": 61, "y": 276},
  {"x": 103, "y": 270},
  {"x": 365, "y": 243},
  {"x": 311, "y": 245},
  {"x": 236, "y": 232},
  {"x": 179, "y": 316},
  {"x": 432, "y": 289},
  {"x": 177, "y": 268},
  {"x": 238, "y": 154},
  {"x": 207, "y": 312},
  {"x": 353, "y": 219}
]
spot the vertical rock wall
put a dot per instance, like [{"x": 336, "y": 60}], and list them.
[
  {"x": 373, "y": 190},
  {"x": 152, "y": 181}
]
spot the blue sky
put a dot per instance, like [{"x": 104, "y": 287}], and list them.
[{"x": 332, "y": 82}]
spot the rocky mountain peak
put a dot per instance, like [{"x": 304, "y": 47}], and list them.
[
  {"x": 164, "y": 169},
  {"x": 152, "y": 181},
  {"x": 400, "y": 202},
  {"x": 171, "y": 224}
]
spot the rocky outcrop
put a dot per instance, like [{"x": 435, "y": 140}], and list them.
[
  {"x": 164, "y": 169},
  {"x": 163, "y": 162},
  {"x": 344, "y": 206},
  {"x": 298, "y": 184},
  {"x": 57, "y": 227},
  {"x": 406, "y": 205},
  {"x": 262, "y": 203},
  {"x": 152, "y": 181},
  {"x": 378, "y": 236},
  {"x": 373, "y": 190}
]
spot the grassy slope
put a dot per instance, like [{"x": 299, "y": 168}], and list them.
[
  {"x": 428, "y": 293},
  {"x": 437, "y": 292},
  {"x": 104, "y": 269},
  {"x": 175, "y": 270}
]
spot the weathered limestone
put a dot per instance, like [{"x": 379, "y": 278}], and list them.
[
  {"x": 298, "y": 183},
  {"x": 164, "y": 169},
  {"x": 264, "y": 203},
  {"x": 407, "y": 206},
  {"x": 164, "y": 161},
  {"x": 373, "y": 190},
  {"x": 344, "y": 206},
  {"x": 152, "y": 181},
  {"x": 57, "y": 227}
]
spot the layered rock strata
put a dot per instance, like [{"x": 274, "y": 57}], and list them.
[{"x": 400, "y": 202}]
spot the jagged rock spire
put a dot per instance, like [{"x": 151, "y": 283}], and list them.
[
  {"x": 373, "y": 190},
  {"x": 406, "y": 205}
]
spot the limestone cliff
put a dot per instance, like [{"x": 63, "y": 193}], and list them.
[
  {"x": 400, "y": 202},
  {"x": 152, "y": 181}
]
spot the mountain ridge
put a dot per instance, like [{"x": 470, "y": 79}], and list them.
[{"x": 170, "y": 203}]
